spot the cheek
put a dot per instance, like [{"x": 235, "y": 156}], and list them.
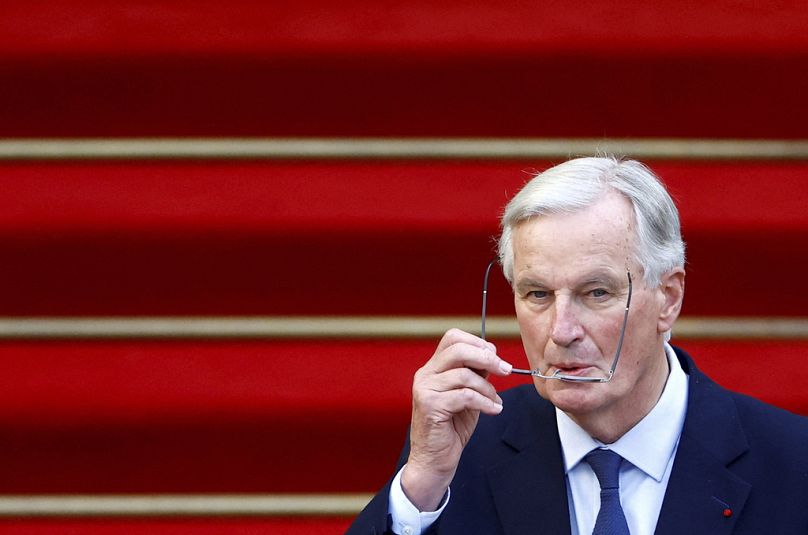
[
  {"x": 534, "y": 323},
  {"x": 534, "y": 337},
  {"x": 541, "y": 388}
]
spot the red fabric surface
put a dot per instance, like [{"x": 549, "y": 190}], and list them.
[
  {"x": 76, "y": 383},
  {"x": 304, "y": 416},
  {"x": 748, "y": 95},
  {"x": 144, "y": 68},
  {"x": 278, "y": 196},
  {"x": 238, "y": 526},
  {"x": 343, "y": 238},
  {"x": 130, "y": 382},
  {"x": 346, "y": 238},
  {"x": 66, "y": 27}
]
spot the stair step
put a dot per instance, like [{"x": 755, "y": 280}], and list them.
[
  {"x": 341, "y": 237},
  {"x": 172, "y": 526},
  {"x": 136, "y": 69},
  {"x": 255, "y": 416}
]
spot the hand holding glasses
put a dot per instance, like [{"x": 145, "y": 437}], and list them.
[{"x": 558, "y": 375}]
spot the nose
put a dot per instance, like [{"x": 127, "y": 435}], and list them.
[{"x": 566, "y": 328}]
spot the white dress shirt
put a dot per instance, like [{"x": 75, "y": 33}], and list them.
[
  {"x": 407, "y": 519},
  {"x": 648, "y": 449}
]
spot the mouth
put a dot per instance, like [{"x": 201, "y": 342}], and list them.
[{"x": 572, "y": 370}]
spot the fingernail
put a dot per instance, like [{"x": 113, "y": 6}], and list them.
[
  {"x": 505, "y": 367},
  {"x": 499, "y": 400},
  {"x": 497, "y": 408}
]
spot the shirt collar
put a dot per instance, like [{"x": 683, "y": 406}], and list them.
[{"x": 660, "y": 427}]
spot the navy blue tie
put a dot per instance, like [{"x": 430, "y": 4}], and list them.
[{"x": 611, "y": 519}]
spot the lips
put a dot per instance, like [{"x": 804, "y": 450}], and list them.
[{"x": 573, "y": 369}]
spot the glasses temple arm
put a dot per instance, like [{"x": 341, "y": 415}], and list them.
[{"x": 485, "y": 297}]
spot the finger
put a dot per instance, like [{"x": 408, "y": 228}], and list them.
[
  {"x": 463, "y": 399},
  {"x": 462, "y": 378},
  {"x": 461, "y": 355},
  {"x": 457, "y": 336}
]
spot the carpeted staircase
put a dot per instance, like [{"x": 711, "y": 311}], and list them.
[{"x": 211, "y": 324}]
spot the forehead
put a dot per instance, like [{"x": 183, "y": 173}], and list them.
[{"x": 600, "y": 236}]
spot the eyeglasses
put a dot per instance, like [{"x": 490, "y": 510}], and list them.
[{"x": 558, "y": 375}]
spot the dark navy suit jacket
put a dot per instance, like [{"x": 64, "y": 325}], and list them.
[{"x": 741, "y": 468}]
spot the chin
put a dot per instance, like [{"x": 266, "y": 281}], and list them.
[{"x": 572, "y": 398}]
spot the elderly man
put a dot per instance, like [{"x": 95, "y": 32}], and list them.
[{"x": 620, "y": 432}]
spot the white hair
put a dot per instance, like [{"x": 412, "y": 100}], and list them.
[{"x": 578, "y": 183}]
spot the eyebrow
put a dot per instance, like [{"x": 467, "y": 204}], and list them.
[
  {"x": 590, "y": 278},
  {"x": 599, "y": 279}
]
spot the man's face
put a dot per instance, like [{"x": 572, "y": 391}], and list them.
[{"x": 570, "y": 289}]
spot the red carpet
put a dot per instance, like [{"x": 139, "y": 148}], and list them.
[
  {"x": 222, "y": 416},
  {"x": 303, "y": 238}
]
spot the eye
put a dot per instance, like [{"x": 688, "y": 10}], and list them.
[
  {"x": 599, "y": 293},
  {"x": 538, "y": 294}
]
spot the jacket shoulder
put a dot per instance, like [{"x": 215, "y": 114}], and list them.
[{"x": 780, "y": 432}]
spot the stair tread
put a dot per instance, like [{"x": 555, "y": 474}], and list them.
[
  {"x": 314, "y": 525},
  {"x": 72, "y": 383},
  {"x": 137, "y": 27},
  {"x": 121, "y": 417},
  {"x": 302, "y": 238},
  {"x": 136, "y": 68},
  {"x": 299, "y": 196}
]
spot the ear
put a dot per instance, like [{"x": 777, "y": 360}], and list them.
[{"x": 672, "y": 292}]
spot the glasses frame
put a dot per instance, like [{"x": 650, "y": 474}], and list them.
[{"x": 558, "y": 375}]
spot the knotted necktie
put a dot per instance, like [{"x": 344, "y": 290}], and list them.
[{"x": 611, "y": 519}]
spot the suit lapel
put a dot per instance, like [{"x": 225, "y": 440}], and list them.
[
  {"x": 701, "y": 488},
  {"x": 529, "y": 488},
  {"x": 530, "y": 491}
]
